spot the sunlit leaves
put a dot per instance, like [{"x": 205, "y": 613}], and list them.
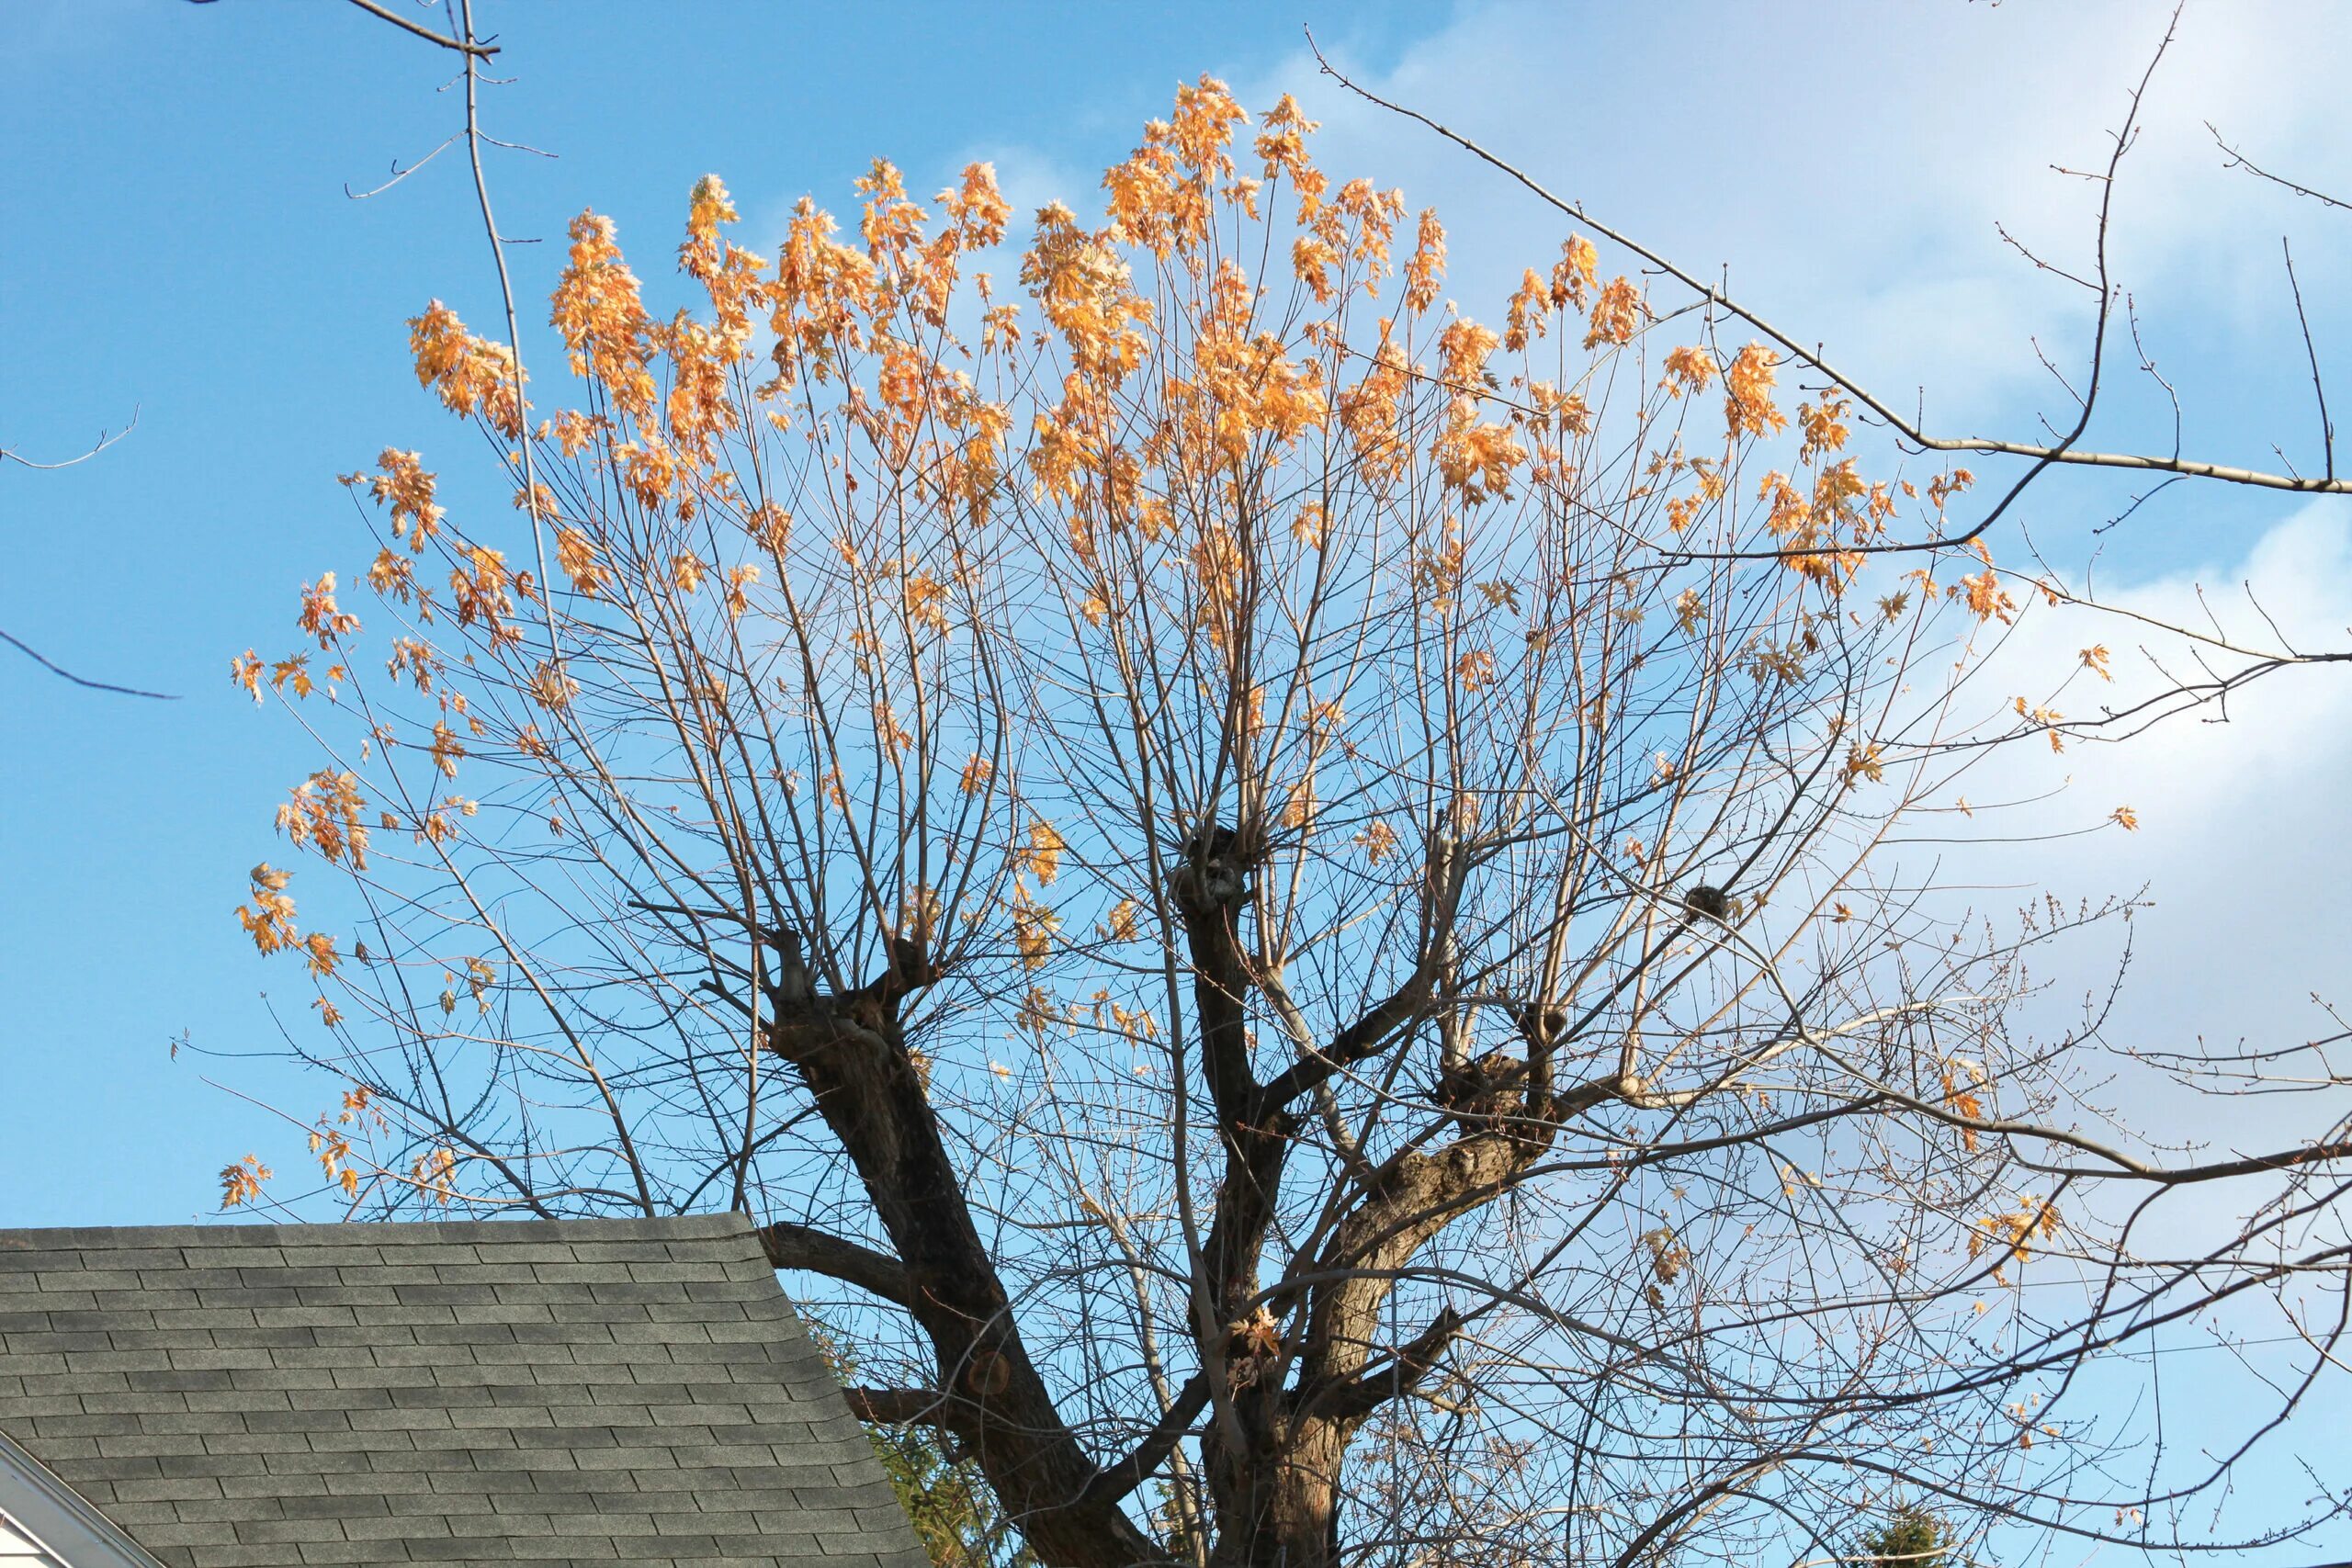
[
  {"x": 242, "y": 1182},
  {"x": 1474, "y": 669},
  {"x": 269, "y": 919},
  {"x": 1575, "y": 274},
  {"x": 1086, "y": 292},
  {"x": 1041, "y": 853},
  {"x": 320, "y": 617},
  {"x": 1748, "y": 408},
  {"x": 470, "y": 374},
  {"x": 577, "y": 553},
  {"x": 1616, "y": 315},
  {"x": 2047, "y": 719},
  {"x": 1033, "y": 925},
  {"x": 599, "y": 311},
  {"x": 479, "y": 586},
  {"x": 1962, "y": 1099},
  {"x": 1688, "y": 370},
  {"x": 323, "y": 816},
  {"x": 446, "y": 748},
  {"x": 552, "y": 686},
  {"x": 739, "y": 578},
  {"x": 2014, "y": 1231},
  {"x": 435, "y": 1174},
  {"x": 1425, "y": 269}
]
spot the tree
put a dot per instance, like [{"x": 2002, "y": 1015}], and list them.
[
  {"x": 1291, "y": 908},
  {"x": 1910, "y": 1535}
]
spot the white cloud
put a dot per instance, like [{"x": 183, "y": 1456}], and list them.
[
  {"x": 1850, "y": 161},
  {"x": 2242, "y": 849}
]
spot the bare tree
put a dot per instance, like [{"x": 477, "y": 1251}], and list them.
[{"x": 1292, "y": 910}]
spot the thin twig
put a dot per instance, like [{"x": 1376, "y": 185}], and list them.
[
  {"x": 2327, "y": 428},
  {"x": 2240, "y": 161},
  {"x": 2020, "y": 246},
  {"x": 513, "y": 333},
  {"x": 399, "y": 174},
  {"x": 54, "y": 668},
  {"x": 465, "y": 46},
  {"x": 105, "y": 440}
]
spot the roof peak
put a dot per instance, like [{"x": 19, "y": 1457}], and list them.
[{"x": 60, "y": 1238}]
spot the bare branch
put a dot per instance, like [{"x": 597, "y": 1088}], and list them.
[
  {"x": 105, "y": 440},
  {"x": 2318, "y": 387},
  {"x": 2240, "y": 161},
  {"x": 466, "y": 46},
  {"x": 81, "y": 680},
  {"x": 790, "y": 1245}
]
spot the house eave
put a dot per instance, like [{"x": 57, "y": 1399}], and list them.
[{"x": 60, "y": 1518}]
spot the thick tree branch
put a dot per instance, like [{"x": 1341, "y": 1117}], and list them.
[
  {"x": 854, "y": 1059},
  {"x": 1405, "y": 1372},
  {"x": 914, "y": 1407},
  {"x": 790, "y": 1245},
  {"x": 1403, "y": 1006},
  {"x": 1115, "y": 1481}
]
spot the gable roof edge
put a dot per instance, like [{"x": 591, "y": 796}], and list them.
[{"x": 60, "y": 1518}]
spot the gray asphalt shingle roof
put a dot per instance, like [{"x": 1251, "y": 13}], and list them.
[{"x": 251, "y": 1396}]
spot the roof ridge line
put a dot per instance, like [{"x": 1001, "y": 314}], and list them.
[{"x": 393, "y": 1233}]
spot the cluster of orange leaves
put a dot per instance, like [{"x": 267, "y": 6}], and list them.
[
  {"x": 241, "y": 1181},
  {"x": 2015, "y": 1232},
  {"x": 332, "y": 1144}
]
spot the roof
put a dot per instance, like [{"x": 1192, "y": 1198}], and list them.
[{"x": 247, "y": 1397}]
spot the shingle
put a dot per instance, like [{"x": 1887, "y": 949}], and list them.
[
  {"x": 544, "y": 1547},
  {"x": 244, "y": 1294},
  {"x": 166, "y": 1490},
  {"x": 348, "y": 1372},
  {"x": 277, "y": 1484},
  {"x": 461, "y": 1548},
  {"x": 337, "y": 1507},
  {"x": 238, "y": 1556},
  {"x": 257, "y": 1443},
  {"x": 279, "y": 1378},
  {"x": 259, "y": 1530}
]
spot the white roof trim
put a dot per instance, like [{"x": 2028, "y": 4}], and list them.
[{"x": 61, "y": 1520}]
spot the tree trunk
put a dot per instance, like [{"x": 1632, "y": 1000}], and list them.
[{"x": 1277, "y": 1504}]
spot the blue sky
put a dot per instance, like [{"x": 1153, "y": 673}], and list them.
[{"x": 173, "y": 237}]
